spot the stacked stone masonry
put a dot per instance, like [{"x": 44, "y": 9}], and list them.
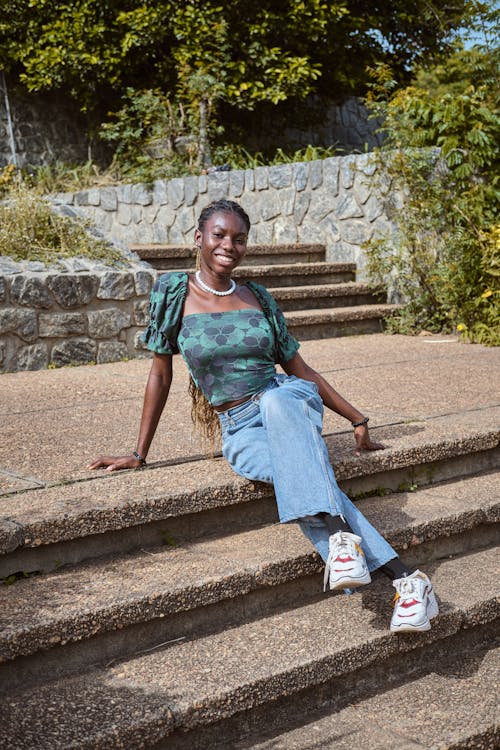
[
  {"x": 49, "y": 128},
  {"x": 341, "y": 202},
  {"x": 81, "y": 312},
  {"x": 51, "y": 318}
]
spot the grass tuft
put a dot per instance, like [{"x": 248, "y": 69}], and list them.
[{"x": 31, "y": 230}]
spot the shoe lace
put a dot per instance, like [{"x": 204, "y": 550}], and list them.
[
  {"x": 406, "y": 588},
  {"x": 342, "y": 545}
]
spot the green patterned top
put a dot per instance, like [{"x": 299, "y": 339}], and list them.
[
  {"x": 166, "y": 306},
  {"x": 166, "y": 317},
  {"x": 229, "y": 354}
]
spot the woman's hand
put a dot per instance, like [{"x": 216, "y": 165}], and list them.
[
  {"x": 364, "y": 442},
  {"x": 114, "y": 463}
]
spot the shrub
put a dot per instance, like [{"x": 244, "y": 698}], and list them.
[{"x": 444, "y": 258}]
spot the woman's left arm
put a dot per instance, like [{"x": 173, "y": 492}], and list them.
[{"x": 333, "y": 400}]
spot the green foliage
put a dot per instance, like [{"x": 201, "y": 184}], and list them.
[
  {"x": 61, "y": 177},
  {"x": 239, "y": 158},
  {"x": 137, "y": 165},
  {"x": 19, "y": 576},
  {"x": 152, "y": 137},
  {"x": 205, "y": 54},
  {"x": 30, "y": 230},
  {"x": 443, "y": 132}
]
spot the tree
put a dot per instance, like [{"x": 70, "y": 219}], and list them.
[
  {"x": 442, "y": 148},
  {"x": 206, "y": 52}
]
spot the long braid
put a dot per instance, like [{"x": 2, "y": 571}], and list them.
[{"x": 203, "y": 414}]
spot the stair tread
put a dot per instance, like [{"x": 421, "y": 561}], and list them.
[
  {"x": 326, "y": 315},
  {"x": 77, "y": 602},
  {"x": 203, "y": 681},
  {"x": 334, "y": 290},
  {"x": 284, "y": 268},
  {"x": 258, "y": 248},
  {"x": 412, "y": 715},
  {"x": 119, "y": 500}
]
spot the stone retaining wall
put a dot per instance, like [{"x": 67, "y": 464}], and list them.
[
  {"x": 51, "y": 318},
  {"x": 341, "y": 202},
  {"x": 49, "y": 127},
  {"x": 81, "y": 312}
]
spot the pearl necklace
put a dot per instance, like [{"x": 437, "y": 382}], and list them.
[{"x": 207, "y": 288}]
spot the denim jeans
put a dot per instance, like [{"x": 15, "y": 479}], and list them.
[{"x": 275, "y": 437}]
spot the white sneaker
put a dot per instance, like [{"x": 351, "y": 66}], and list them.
[
  {"x": 414, "y": 603},
  {"x": 346, "y": 565}
]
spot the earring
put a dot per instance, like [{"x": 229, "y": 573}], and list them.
[{"x": 197, "y": 250}]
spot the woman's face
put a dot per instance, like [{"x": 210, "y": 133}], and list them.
[{"x": 223, "y": 242}]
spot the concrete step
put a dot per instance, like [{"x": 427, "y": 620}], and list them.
[
  {"x": 168, "y": 257},
  {"x": 338, "y": 321},
  {"x": 111, "y": 513},
  {"x": 158, "y": 696},
  {"x": 186, "y": 590},
  {"x": 298, "y": 274},
  {"x": 326, "y": 295},
  {"x": 450, "y": 706},
  {"x": 294, "y": 274}
]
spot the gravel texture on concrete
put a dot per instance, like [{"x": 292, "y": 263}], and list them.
[
  {"x": 108, "y": 500},
  {"x": 412, "y": 716},
  {"x": 54, "y": 422},
  {"x": 338, "y": 314},
  {"x": 295, "y": 269},
  {"x": 76, "y": 603},
  {"x": 137, "y": 702},
  {"x": 347, "y": 288},
  {"x": 119, "y": 500}
]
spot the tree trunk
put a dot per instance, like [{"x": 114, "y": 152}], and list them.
[
  {"x": 204, "y": 156},
  {"x": 10, "y": 126}
]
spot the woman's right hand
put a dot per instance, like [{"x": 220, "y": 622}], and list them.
[{"x": 114, "y": 463}]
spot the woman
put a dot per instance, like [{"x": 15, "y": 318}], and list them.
[{"x": 231, "y": 336}]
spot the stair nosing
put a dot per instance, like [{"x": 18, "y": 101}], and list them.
[
  {"x": 245, "y": 576},
  {"x": 229, "y": 489}
]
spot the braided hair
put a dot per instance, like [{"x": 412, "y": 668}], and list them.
[{"x": 222, "y": 206}]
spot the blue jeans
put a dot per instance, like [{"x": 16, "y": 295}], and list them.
[{"x": 275, "y": 437}]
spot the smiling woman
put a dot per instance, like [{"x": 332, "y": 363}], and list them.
[{"x": 231, "y": 337}]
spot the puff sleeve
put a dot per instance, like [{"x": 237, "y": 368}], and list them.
[{"x": 165, "y": 309}]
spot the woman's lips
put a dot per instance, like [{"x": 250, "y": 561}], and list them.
[{"x": 225, "y": 260}]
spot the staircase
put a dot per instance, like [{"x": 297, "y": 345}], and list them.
[
  {"x": 319, "y": 299},
  {"x": 170, "y": 610}
]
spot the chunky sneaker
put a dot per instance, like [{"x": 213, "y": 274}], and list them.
[
  {"x": 346, "y": 565},
  {"x": 414, "y": 604}
]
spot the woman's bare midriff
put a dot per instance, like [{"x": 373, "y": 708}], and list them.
[{"x": 230, "y": 404}]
